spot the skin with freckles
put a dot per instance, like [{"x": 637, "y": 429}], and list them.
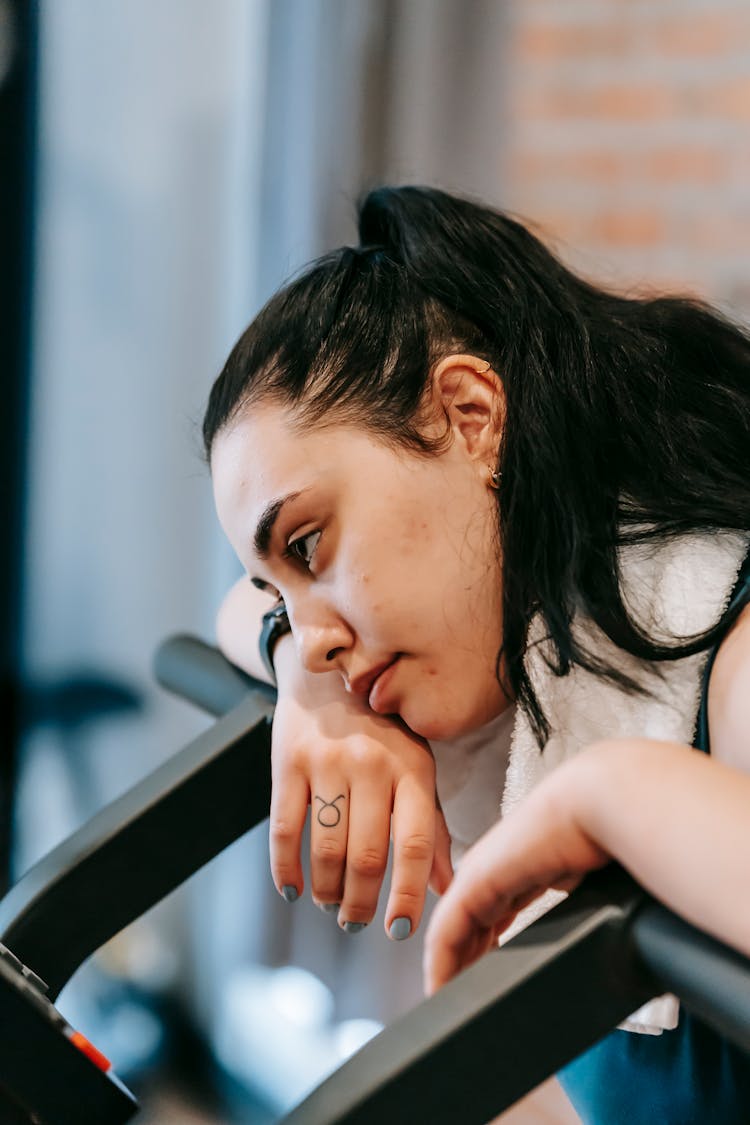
[
  {"x": 382, "y": 557},
  {"x": 389, "y": 567}
]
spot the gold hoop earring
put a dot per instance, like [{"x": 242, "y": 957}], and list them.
[{"x": 494, "y": 479}]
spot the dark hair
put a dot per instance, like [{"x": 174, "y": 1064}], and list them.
[{"x": 627, "y": 418}]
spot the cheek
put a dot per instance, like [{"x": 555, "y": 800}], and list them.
[
  {"x": 420, "y": 539},
  {"x": 388, "y": 608}
]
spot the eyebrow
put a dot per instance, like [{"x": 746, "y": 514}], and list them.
[{"x": 266, "y": 523}]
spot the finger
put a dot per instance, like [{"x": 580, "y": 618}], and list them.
[
  {"x": 475, "y": 910},
  {"x": 329, "y": 828},
  {"x": 289, "y": 800},
  {"x": 454, "y": 940},
  {"x": 414, "y": 831},
  {"x": 442, "y": 866},
  {"x": 367, "y": 853},
  {"x": 566, "y": 882}
]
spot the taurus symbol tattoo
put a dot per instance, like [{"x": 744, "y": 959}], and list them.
[{"x": 332, "y": 818}]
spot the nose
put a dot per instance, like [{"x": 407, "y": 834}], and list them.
[{"x": 322, "y": 639}]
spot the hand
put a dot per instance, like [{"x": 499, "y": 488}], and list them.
[
  {"x": 539, "y": 845},
  {"x": 366, "y": 777}
]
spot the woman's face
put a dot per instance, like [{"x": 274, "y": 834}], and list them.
[{"x": 388, "y": 562}]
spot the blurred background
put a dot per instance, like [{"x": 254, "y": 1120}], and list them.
[{"x": 166, "y": 164}]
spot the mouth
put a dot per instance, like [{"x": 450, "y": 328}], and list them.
[
  {"x": 378, "y": 695},
  {"x": 364, "y": 684}
]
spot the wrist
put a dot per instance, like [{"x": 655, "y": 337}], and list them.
[
  {"x": 612, "y": 777},
  {"x": 285, "y": 659},
  {"x": 274, "y": 626}
]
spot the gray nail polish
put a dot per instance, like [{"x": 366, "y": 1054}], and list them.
[
  {"x": 354, "y": 927},
  {"x": 290, "y": 893},
  {"x": 400, "y": 928},
  {"x": 330, "y": 907}
]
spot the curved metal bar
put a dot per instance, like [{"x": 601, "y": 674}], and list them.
[
  {"x": 142, "y": 846},
  {"x": 198, "y": 672},
  {"x": 504, "y": 1025},
  {"x": 711, "y": 979}
]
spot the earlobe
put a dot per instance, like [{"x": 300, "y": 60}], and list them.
[{"x": 470, "y": 394}]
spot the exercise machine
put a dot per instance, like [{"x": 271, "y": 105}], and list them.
[{"x": 466, "y": 1054}]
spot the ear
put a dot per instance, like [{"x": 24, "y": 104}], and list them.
[{"x": 471, "y": 396}]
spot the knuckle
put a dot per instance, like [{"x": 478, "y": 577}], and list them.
[
  {"x": 424, "y": 770},
  {"x": 409, "y": 900},
  {"x": 283, "y": 831},
  {"x": 327, "y": 756},
  {"x": 368, "y": 863},
  {"x": 417, "y": 846},
  {"x": 364, "y": 756},
  {"x": 327, "y": 850},
  {"x": 285, "y": 745}
]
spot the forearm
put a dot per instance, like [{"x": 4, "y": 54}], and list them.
[
  {"x": 676, "y": 819},
  {"x": 679, "y": 822}
]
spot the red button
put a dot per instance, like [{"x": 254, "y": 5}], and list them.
[{"x": 91, "y": 1052}]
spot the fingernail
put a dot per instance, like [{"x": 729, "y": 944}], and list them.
[
  {"x": 400, "y": 928},
  {"x": 354, "y": 927},
  {"x": 330, "y": 907},
  {"x": 290, "y": 893}
]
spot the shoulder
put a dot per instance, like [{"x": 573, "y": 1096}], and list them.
[{"x": 729, "y": 696}]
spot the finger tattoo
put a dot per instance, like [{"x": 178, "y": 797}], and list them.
[{"x": 329, "y": 814}]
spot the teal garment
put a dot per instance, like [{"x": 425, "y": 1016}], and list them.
[{"x": 689, "y": 1076}]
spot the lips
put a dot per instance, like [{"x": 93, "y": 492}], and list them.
[
  {"x": 364, "y": 683},
  {"x": 378, "y": 698}
]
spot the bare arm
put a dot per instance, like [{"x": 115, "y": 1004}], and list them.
[
  {"x": 686, "y": 835},
  {"x": 677, "y": 819},
  {"x": 238, "y": 626}
]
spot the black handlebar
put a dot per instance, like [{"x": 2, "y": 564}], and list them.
[
  {"x": 141, "y": 846},
  {"x": 190, "y": 668}
]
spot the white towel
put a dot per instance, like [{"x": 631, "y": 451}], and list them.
[
  {"x": 471, "y": 779},
  {"x": 672, "y": 590}
]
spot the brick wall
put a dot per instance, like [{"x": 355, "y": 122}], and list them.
[{"x": 626, "y": 127}]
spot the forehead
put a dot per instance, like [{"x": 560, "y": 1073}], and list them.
[
  {"x": 262, "y": 456},
  {"x": 257, "y": 453}
]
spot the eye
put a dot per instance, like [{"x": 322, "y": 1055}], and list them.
[{"x": 304, "y": 548}]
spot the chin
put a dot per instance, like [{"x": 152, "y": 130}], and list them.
[
  {"x": 439, "y": 728},
  {"x": 442, "y": 726}
]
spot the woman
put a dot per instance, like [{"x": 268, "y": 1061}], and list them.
[{"x": 505, "y": 514}]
